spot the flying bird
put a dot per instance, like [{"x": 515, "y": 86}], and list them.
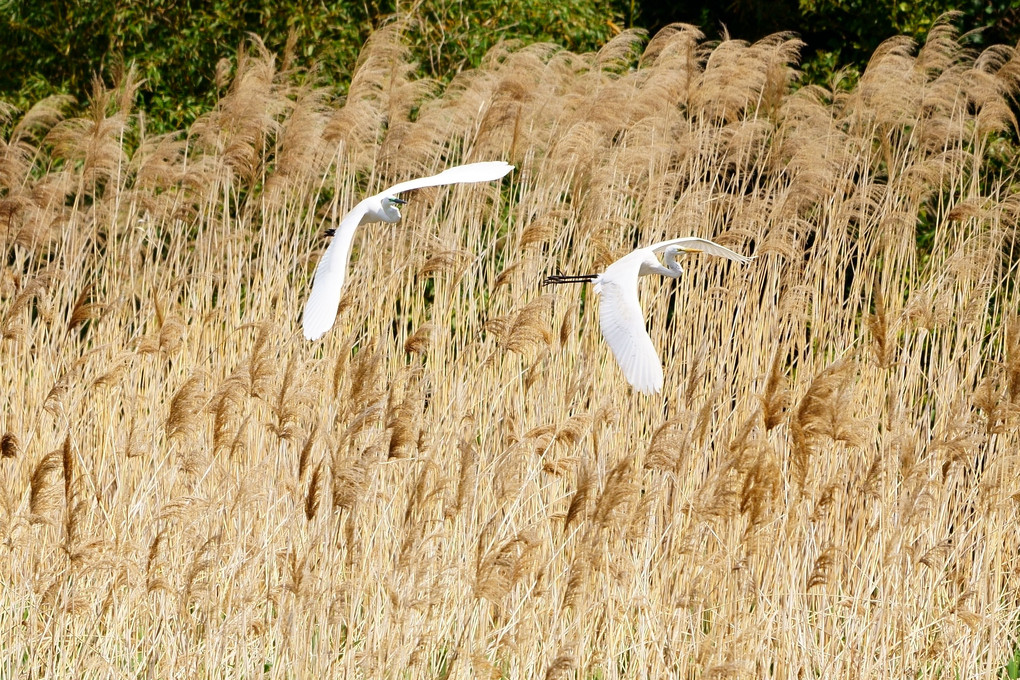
[
  {"x": 321, "y": 308},
  {"x": 620, "y": 315}
]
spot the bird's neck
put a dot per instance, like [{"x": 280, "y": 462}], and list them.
[
  {"x": 378, "y": 211},
  {"x": 647, "y": 269}
]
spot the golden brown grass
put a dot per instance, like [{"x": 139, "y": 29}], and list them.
[{"x": 456, "y": 482}]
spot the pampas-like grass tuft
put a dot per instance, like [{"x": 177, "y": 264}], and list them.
[{"x": 456, "y": 480}]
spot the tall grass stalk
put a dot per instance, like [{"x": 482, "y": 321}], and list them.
[{"x": 457, "y": 482}]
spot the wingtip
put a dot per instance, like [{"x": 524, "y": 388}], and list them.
[
  {"x": 312, "y": 334},
  {"x": 649, "y": 389},
  {"x": 313, "y": 328},
  {"x": 647, "y": 380}
]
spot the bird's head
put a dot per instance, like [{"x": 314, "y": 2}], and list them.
[
  {"x": 670, "y": 257},
  {"x": 390, "y": 208}
]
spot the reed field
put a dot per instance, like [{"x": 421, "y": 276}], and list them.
[{"x": 457, "y": 481}]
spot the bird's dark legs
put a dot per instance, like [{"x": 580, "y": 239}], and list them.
[{"x": 569, "y": 278}]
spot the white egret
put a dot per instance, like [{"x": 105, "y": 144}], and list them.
[
  {"x": 321, "y": 308},
  {"x": 620, "y": 315}
]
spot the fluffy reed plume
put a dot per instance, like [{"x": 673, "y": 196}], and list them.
[
  {"x": 762, "y": 488},
  {"x": 226, "y": 406},
  {"x": 9, "y": 446},
  {"x": 261, "y": 364},
  {"x": 312, "y": 498},
  {"x": 467, "y": 477},
  {"x": 349, "y": 484},
  {"x": 878, "y": 324},
  {"x": 304, "y": 458},
  {"x": 18, "y": 158},
  {"x": 239, "y": 130},
  {"x": 195, "y": 578},
  {"x": 502, "y": 567},
  {"x": 114, "y": 370},
  {"x": 96, "y": 141},
  {"x": 381, "y": 95},
  {"x": 617, "y": 495},
  {"x": 578, "y": 507},
  {"x": 43, "y": 489},
  {"x": 403, "y": 421},
  {"x": 1011, "y": 366},
  {"x": 775, "y": 399},
  {"x": 56, "y": 399},
  {"x": 300, "y": 157},
  {"x": 182, "y": 422},
  {"x": 563, "y": 666},
  {"x": 32, "y": 289},
  {"x": 822, "y": 569},
  {"x": 526, "y": 328},
  {"x": 419, "y": 341},
  {"x": 669, "y": 445},
  {"x": 289, "y": 402},
  {"x": 74, "y": 506},
  {"x": 171, "y": 333},
  {"x": 822, "y": 413},
  {"x": 827, "y": 481},
  {"x": 83, "y": 309}
]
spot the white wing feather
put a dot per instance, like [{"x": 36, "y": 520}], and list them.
[
  {"x": 702, "y": 244},
  {"x": 461, "y": 174},
  {"x": 621, "y": 318},
  {"x": 327, "y": 286},
  {"x": 320, "y": 310},
  {"x": 623, "y": 326}
]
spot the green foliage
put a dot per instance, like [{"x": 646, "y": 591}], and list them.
[
  {"x": 847, "y": 31},
  {"x": 840, "y": 35},
  {"x": 457, "y": 33},
  {"x": 864, "y": 24},
  {"x": 56, "y": 46},
  {"x": 1012, "y": 668}
]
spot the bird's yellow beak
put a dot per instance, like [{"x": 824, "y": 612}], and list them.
[{"x": 692, "y": 250}]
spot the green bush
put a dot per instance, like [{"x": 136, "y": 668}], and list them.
[
  {"x": 457, "y": 33},
  {"x": 839, "y": 34},
  {"x": 56, "y": 46},
  {"x": 842, "y": 32}
]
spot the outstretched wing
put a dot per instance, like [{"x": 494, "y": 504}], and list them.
[
  {"x": 460, "y": 174},
  {"x": 320, "y": 310},
  {"x": 327, "y": 286},
  {"x": 704, "y": 245},
  {"x": 623, "y": 326}
]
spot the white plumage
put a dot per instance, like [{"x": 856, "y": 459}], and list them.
[
  {"x": 321, "y": 308},
  {"x": 620, "y": 315}
]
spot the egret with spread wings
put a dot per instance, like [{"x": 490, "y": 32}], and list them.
[
  {"x": 321, "y": 308},
  {"x": 620, "y": 315}
]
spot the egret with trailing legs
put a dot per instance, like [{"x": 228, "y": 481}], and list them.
[{"x": 620, "y": 315}]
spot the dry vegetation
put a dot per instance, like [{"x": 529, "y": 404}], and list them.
[{"x": 457, "y": 481}]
